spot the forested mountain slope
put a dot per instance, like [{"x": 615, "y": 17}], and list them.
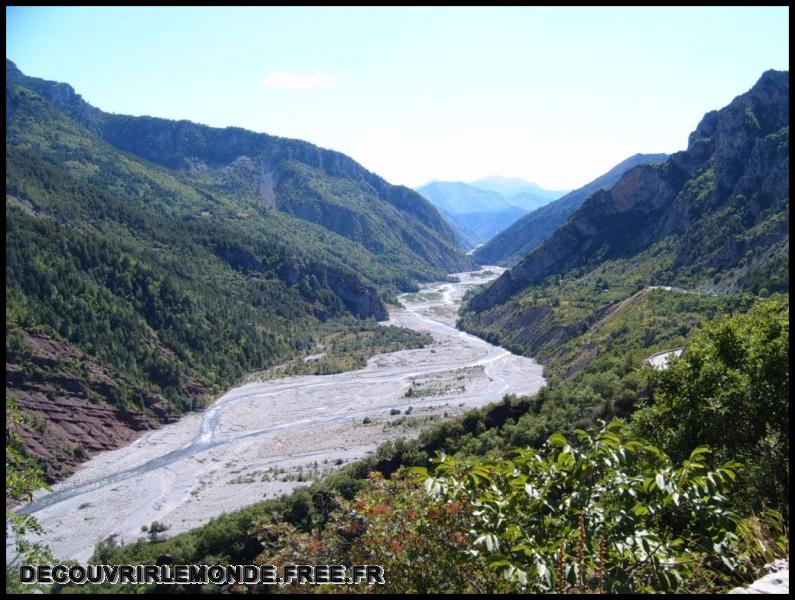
[
  {"x": 137, "y": 290},
  {"x": 314, "y": 184}
]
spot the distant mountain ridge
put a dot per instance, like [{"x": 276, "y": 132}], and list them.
[
  {"x": 528, "y": 232},
  {"x": 477, "y": 211},
  {"x": 457, "y": 197},
  {"x": 480, "y": 226}
]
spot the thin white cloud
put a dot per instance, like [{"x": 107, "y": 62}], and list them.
[{"x": 290, "y": 81}]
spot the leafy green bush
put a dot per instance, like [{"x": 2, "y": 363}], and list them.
[
  {"x": 596, "y": 512},
  {"x": 603, "y": 513},
  {"x": 730, "y": 390}
]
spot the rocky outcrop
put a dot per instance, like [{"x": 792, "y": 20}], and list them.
[
  {"x": 72, "y": 405},
  {"x": 614, "y": 223}
]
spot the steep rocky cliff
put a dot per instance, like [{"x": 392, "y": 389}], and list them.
[{"x": 716, "y": 214}]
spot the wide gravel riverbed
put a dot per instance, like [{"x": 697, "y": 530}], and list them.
[{"x": 262, "y": 440}]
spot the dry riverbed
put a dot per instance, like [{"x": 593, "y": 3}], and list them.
[{"x": 264, "y": 439}]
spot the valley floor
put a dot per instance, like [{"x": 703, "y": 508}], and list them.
[{"x": 264, "y": 439}]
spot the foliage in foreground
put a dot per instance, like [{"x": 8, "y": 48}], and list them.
[
  {"x": 731, "y": 391},
  {"x": 602, "y": 513},
  {"x": 593, "y": 512}
]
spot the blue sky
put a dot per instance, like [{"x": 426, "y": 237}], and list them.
[{"x": 552, "y": 95}]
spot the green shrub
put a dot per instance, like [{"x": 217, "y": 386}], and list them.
[{"x": 600, "y": 512}]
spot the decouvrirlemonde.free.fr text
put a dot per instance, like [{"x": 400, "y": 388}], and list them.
[{"x": 202, "y": 574}]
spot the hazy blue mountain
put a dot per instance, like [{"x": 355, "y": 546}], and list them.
[
  {"x": 456, "y": 197},
  {"x": 530, "y": 201},
  {"x": 475, "y": 214}
]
